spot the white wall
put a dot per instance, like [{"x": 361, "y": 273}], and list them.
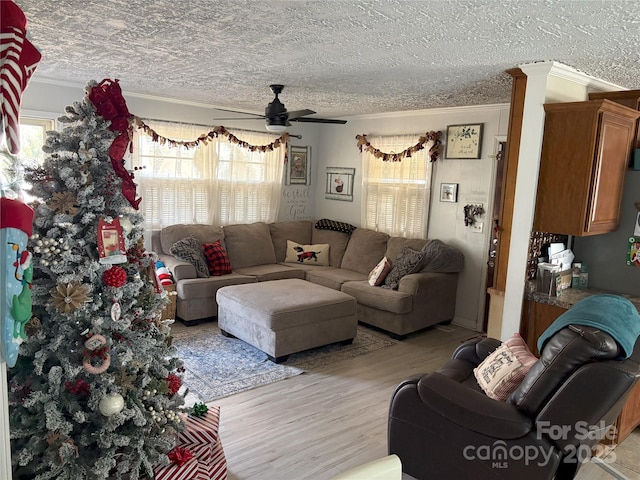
[{"x": 474, "y": 178}]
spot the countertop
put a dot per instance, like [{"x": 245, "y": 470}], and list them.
[{"x": 570, "y": 296}]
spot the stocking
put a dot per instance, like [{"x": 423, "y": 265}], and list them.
[{"x": 18, "y": 60}]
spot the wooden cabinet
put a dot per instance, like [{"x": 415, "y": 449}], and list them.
[
  {"x": 585, "y": 152},
  {"x": 629, "y": 98},
  {"x": 538, "y": 317}
]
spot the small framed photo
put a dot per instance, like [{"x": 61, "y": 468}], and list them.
[
  {"x": 340, "y": 183},
  {"x": 464, "y": 141},
  {"x": 299, "y": 167},
  {"x": 449, "y": 192}
]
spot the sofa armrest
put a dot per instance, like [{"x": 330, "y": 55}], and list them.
[
  {"x": 179, "y": 268},
  {"x": 471, "y": 409},
  {"x": 432, "y": 291}
]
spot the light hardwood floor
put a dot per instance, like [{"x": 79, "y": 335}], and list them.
[{"x": 316, "y": 425}]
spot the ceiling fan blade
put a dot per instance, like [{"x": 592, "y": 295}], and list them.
[
  {"x": 239, "y": 113},
  {"x": 318, "y": 120},
  {"x": 300, "y": 113},
  {"x": 246, "y": 118}
]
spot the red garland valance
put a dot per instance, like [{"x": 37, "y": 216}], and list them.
[
  {"x": 434, "y": 151},
  {"x": 205, "y": 137}
]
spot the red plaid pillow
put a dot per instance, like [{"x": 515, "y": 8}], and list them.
[{"x": 217, "y": 259}]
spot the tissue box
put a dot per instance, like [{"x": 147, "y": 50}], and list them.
[{"x": 562, "y": 281}]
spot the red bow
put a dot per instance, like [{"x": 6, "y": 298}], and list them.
[
  {"x": 111, "y": 105},
  {"x": 179, "y": 456}
]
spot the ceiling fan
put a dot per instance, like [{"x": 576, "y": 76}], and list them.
[{"x": 277, "y": 117}]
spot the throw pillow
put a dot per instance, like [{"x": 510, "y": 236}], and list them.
[
  {"x": 379, "y": 272},
  {"x": 307, "y": 254},
  {"x": 189, "y": 250},
  {"x": 504, "y": 369},
  {"x": 217, "y": 259},
  {"x": 326, "y": 224},
  {"x": 408, "y": 261}
]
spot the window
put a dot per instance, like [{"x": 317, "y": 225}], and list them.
[
  {"x": 219, "y": 183},
  {"x": 33, "y": 133},
  {"x": 396, "y": 194}
]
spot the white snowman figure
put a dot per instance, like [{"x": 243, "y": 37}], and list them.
[{"x": 16, "y": 224}]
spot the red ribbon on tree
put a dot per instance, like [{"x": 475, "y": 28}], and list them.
[{"x": 111, "y": 105}]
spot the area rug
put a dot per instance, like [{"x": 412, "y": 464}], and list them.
[{"x": 217, "y": 366}]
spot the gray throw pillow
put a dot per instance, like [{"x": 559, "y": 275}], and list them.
[
  {"x": 190, "y": 250},
  {"x": 408, "y": 261}
]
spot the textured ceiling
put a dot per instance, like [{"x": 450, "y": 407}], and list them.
[{"x": 339, "y": 57}]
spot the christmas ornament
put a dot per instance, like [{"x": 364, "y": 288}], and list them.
[
  {"x": 125, "y": 381},
  {"x": 16, "y": 220},
  {"x": 50, "y": 185},
  {"x": 111, "y": 404},
  {"x": 96, "y": 355},
  {"x": 63, "y": 202},
  {"x": 174, "y": 383},
  {"x": 115, "y": 277},
  {"x": 116, "y": 311},
  {"x": 110, "y": 242},
  {"x": 79, "y": 387},
  {"x": 69, "y": 298},
  {"x": 18, "y": 60}
]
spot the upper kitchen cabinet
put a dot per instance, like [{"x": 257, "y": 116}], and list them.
[
  {"x": 585, "y": 151},
  {"x": 629, "y": 98}
]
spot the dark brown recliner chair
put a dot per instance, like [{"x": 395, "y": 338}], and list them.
[{"x": 443, "y": 426}]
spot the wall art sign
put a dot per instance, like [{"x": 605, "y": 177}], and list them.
[
  {"x": 299, "y": 167},
  {"x": 340, "y": 183},
  {"x": 464, "y": 141}
]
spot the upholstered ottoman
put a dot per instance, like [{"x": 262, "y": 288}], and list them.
[{"x": 281, "y": 317}]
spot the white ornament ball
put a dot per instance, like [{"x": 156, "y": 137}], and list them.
[{"x": 111, "y": 404}]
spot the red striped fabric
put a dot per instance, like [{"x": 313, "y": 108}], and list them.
[{"x": 18, "y": 60}]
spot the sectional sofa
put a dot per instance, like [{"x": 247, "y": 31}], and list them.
[{"x": 258, "y": 253}]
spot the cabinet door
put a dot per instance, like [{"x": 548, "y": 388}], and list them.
[
  {"x": 583, "y": 162},
  {"x": 609, "y": 169}
]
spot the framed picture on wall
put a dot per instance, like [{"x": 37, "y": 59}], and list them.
[
  {"x": 299, "y": 166},
  {"x": 340, "y": 183},
  {"x": 464, "y": 141},
  {"x": 449, "y": 192}
]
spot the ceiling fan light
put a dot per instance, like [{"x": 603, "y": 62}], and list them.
[{"x": 276, "y": 128}]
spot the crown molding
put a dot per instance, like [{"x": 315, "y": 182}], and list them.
[{"x": 566, "y": 72}]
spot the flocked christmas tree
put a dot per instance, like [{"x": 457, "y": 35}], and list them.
[{"x": 94, "y": 392}]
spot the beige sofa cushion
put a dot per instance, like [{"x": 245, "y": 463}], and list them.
[
  {"x": 337, "y": 240},
  {"x": 396, "y": 244},
  {"x": 383, "y": 299},
  {"x": 364, "y": 250},
  {"x": 297, "y": 231},
  {"x": 204, "y": 233},
  {"x": 249, "y": 244}
]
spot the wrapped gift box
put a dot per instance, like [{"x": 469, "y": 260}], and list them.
[
  {"x": 201, "y": 438},
  {"x": 186, "y": 471},
  {"x": 200, "y": 435},
  {"x": 216, "y": 468}
]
